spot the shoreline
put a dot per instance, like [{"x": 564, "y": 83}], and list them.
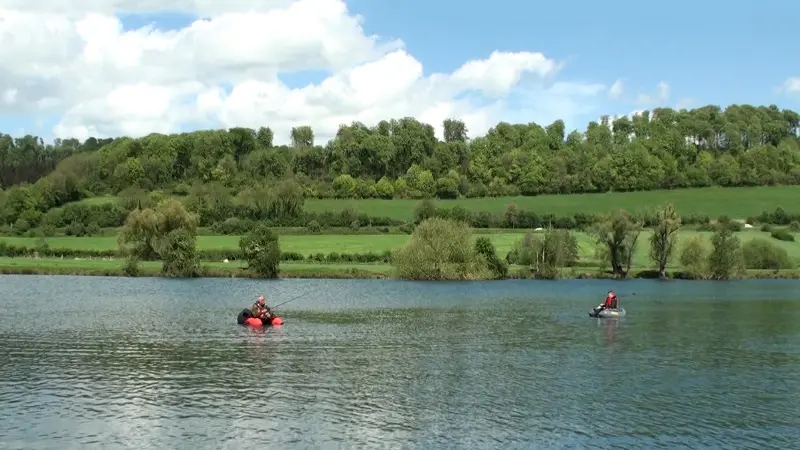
[{"x": 26, "y": 266}]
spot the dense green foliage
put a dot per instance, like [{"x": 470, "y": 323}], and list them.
[
  {"x": 166, "y": 233},
  {"x": 664, "y": 237},
  {"x": 262, "y": 251},
  {"x": 740, "y": 146},
  {"x": 439, "y": 249}
]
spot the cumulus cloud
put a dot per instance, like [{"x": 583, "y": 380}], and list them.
[
  {"x": 660, "y": 97},
  {"x": 77, "y": 62},
  {"x": 791, "y": 86},
  {"x": 616, "y": 89}
]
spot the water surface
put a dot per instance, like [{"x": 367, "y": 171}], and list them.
[{"x": 155, "y": 363}]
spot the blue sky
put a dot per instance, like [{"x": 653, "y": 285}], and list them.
[{"x": 708, "y": 52}]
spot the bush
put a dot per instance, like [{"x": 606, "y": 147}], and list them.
[
  {"x": 762, "y": 254},
  {"x": 313, "y": 226},
  {"x": 694, "y": 252},
  {"x": 782, "y": 235},
  {"x": 407, "y": 228},
  {"x": 726, "y": 259},
  {"x": 794, "y": 227},
  {"x": 93, "y": 229},
  {"x": 734, "y": 226},
  {"x": 131, "y": 267},
  {"x": 485, "y": 248},
  {"x": 438, "y": 249},
  {"x": 75, "y": 229},
  {"x": 262, "y": 251},
  {"x": 232, "y": 226}
]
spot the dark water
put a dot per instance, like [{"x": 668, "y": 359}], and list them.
[{"x": 152, "y": 363}]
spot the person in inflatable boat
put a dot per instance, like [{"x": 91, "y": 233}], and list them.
[
  {"x": 611, "y": 301},
  {"x": 260, "y": 309}
]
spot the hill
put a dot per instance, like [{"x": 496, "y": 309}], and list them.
[{"x": 403, "y": 160}]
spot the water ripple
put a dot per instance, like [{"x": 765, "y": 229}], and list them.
[{"x": 417, "y": 366}]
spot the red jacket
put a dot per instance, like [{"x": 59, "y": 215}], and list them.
[{"x": 610, "y": 301}]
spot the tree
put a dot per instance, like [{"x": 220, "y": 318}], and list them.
[
  {"x": 454, "y": 131},
  {"x": 261, "y": 249},
  {"x": 762, "y": 254},
  {"x": 694, "y": 255},
  {"x": 167, "y": 233},
  {"x": 738, "y": 145},
  {"x": 302, "y": 137},
  {"x": 726, "y": 259},
  {"x": 439, "y": 249},
  {"x": 178, "y": 251},
  {"x": 662, "y": 241},
  {"x": 512, "y": 215},
  {"x": 618, "y": 236},
  {"x": 485, "y": 249},
  {"x": 556, "y": 250}
]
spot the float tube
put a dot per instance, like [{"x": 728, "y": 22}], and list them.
[
  {"x": 246, "y": 318},
  {"x": 601, "y": 313}
]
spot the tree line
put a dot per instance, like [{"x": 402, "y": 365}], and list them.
[
  {"x": 282, "y": 204},
  {"x": 742, "y": 145},
  {"x": 442, "y": 248}
]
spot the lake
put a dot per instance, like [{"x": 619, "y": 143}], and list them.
[{"x": 157, "y": 363}]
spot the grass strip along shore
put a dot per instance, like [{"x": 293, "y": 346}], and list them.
[{"x": 326, "y": 256}]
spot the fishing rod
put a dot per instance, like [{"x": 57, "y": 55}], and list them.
[{"x": 290, "y": 300}]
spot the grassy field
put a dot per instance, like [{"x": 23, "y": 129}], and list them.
[
  {"x": 737, "y": 203},
  {"x": 97, "y": 266},
  {"x": 378, "y": 243}
]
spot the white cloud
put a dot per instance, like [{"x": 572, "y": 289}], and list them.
[
  {"x": 685, "y": 103},
  {"x": 791, "y": 86},
  {"x": 616, "y": 89},
  {"x": 201, "y": 7},
  {"x": 76, "y": 61},
  {"x": 660, "y": 97}
]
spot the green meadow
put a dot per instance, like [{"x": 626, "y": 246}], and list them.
[
  {"x": 737, "y": 203},
  {"x": 309, "y": 244}
]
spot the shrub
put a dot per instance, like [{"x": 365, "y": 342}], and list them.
[
  {"x": 93, "y": 229},
  {"x": 725, "y": 259},
  {"x": 782, "y": 235},
  {"x": 438, "y": 249},
  {"x": 762, "y": 254},
  {"x": 485, "y": 248},
  {"x": 693, "y": 255},
  {"x": 131, "y": 267},
  {"x": 75, "y": 229},
  {"x": 262, "y": 251},
  {"x": 232, "y": 226}
]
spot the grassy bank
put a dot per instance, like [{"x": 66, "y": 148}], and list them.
[
  {"x": 714, "y": 201},
  {"x": 114, "y": 267},
  {"x": 352, "y": 244}
]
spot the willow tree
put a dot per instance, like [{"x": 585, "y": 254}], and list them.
[
  {"x": 167, "y": 233},
  {"x": 439, "y": 249},
  {"x": 546, "y": 255},
  {"x": 618, "y": 236},
  {"x": 664, "y": 237}
]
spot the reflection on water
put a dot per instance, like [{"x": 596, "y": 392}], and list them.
[{"x": 151, "y": 363}]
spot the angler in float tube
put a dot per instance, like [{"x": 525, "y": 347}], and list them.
[{"x": 260, "y": 309}]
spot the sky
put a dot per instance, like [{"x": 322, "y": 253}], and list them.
[{"x": 108, "y": 68}]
